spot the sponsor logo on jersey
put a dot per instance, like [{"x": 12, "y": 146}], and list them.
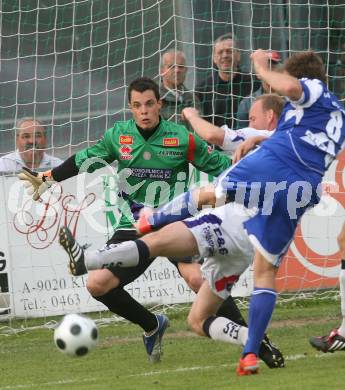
[
  {"x": 125, "y": 152},
  {"x": 170, "y": 133},
  {"x": 170, "y": 153},
  {"x": 209, "y": 148},
  {"x": 151, "y": 173},
  {"x": 170, "y": 142},
  {"x": 126, "y": 140}
]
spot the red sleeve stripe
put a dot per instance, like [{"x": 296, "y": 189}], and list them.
[{"x": 191, "y": 148}]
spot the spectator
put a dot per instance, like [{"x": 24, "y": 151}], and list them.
[
  {"x": 31, "y": 141},
  {"x": 244, "y": 107},
  {"x": 175, "y": 97},
  {"x": 221, "y": 92}
]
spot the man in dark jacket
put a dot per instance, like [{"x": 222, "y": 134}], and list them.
[{"x": 222, "y": 91}]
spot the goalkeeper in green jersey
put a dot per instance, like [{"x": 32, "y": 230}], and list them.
[{"x": 154, "y": 151}]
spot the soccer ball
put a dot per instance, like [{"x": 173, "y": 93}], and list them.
[{"x": 76, "y": 335}]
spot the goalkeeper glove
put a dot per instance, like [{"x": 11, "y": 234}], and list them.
[{"x": 36, "y": 183}]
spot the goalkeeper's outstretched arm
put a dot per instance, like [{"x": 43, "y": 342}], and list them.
[
  {"x": 96, "y": 157},
  {"x": 65, "y": 170}
]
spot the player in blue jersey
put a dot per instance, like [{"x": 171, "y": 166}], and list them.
[{"x": 281, "y": 179}]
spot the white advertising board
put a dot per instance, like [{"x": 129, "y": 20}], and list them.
[{"x": 38, "y": 280}]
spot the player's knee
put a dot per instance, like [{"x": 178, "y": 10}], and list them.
[
  {"x": 191, "y": 274},
  {"x": 195, "y": 324},
  {"x": 194, "y": 281},
  {"x": 265, "y": 271},
  {"x": 95, "y": 288}
]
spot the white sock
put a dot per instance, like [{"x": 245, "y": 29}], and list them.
[
  {"x": 341, "y": 329},
  {"x": 223, "y": 329},
  {"x": 125, "y": 254}
]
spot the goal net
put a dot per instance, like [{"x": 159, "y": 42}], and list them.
[{"x": 69, "y": 63}]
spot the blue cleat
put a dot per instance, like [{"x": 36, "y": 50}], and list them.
[{"x": 153, "y": 343}]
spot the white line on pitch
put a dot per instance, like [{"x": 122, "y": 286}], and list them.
[
  {"x": 43, "y": 385},
  {"x": 232, "y": 365}
]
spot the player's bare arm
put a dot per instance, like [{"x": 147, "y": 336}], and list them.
[
  {"x": 206, "y": 130},
  {"x": 282, "y": 83},
  {"x": 246, "y": 146}
]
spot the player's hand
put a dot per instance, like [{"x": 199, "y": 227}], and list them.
[
  {"x": 246, "y": 146},
  {"x": 189, "y": 112},
  {"x": 36, "y": 183},
  {"x": 260, "y": 59},
  {"x": 143, "y": 224}
]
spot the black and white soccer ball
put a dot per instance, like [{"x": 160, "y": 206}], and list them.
[{"x": 76, "y": 335}]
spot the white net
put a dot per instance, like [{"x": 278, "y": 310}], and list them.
[{"x": 69, "y": 63}]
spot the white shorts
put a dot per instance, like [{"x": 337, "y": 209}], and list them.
[{"x": 224, "y": 244}]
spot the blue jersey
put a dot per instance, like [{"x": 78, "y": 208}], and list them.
[
  {"x": 282, "y": 179},
  {"x": 313, "y": 127}
]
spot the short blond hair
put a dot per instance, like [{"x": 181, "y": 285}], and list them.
[{"x": 271, "y": 101}]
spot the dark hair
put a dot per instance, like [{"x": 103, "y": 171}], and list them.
[
  {"x": 271, "y": 101},
  {"x": 142, "y": 84},
  {"x": 306, "y": 64}
]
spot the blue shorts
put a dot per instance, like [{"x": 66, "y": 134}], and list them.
[{"x": 279, "y": 193}]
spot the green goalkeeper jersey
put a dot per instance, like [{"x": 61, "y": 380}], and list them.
[{"x": 153, "y": 171}]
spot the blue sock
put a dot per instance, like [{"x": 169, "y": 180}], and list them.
[{"x": 261, "y": 307}]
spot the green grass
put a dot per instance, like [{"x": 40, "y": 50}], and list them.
[{"x": 29, "y": 360}]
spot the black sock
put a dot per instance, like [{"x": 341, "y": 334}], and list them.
[
  {"x": 143, "y": 249},
  {"x": 206, "y": 325},
  {"x": 121, "y": 303},
  {"x": 229, "y": 309}
]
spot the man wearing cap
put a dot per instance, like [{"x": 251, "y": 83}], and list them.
[{"x": 244, "y": 106}]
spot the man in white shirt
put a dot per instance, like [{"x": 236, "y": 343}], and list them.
[
  {"x": 31, "y": 141},
  {"x": 264, "y": 114}
]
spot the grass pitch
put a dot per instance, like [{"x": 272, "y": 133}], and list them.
[{"x": 29, "y": 359}]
